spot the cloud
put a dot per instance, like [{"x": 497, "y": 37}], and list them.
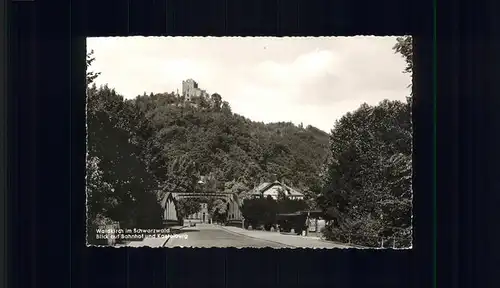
[{"x": 313, "y": 80}]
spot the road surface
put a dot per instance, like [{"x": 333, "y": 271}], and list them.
[{"x": 208, "y": 235}]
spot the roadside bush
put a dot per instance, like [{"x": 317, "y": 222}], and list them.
[
  {"x": 291, "y": 206},
  {"x": 260, "y": 211},
  {"x": 263, "y": 212},
  {"x": 364, "y": 232}
]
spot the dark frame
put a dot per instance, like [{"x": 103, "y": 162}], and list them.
[{"x": 46, "y": 143}]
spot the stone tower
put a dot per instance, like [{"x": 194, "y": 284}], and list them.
[{"x": 189, "y": 88}]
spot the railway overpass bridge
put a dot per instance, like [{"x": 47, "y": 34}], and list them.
[{"x": 170, "y": 199}]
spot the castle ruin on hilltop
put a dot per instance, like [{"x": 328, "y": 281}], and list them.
[{"x": 190, "y": 89}]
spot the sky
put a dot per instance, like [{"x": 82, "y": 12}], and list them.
[{"x": 308, "y": 80}]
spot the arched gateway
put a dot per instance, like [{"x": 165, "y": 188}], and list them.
[{"x": 169, "y": 201}]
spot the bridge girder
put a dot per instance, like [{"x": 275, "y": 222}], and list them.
[{"x": 224, "y": 196}]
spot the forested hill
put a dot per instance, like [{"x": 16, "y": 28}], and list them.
[{"x": 230, "y": 147}]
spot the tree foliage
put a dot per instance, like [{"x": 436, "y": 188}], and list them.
[
  {"x": 187, "y": 206},
  {"x": 111, "y": 140},
  {"x": 91, "y": 75},
  {"x": 119, "y": 186},
  {"x": 404, "y": 46},
  {"x": 100, "y": 196},
  {"x": 180, "y": 175},
  {"x": 368, "y": 174},
  {"x": 260, "y": 211},
  {"x": 291, "y": 206},
  {"x": 217, "y": 208},
  {"x": 368, "y": 181}
]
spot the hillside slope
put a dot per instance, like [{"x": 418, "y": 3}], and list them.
[{"x": 206, "y": 134}]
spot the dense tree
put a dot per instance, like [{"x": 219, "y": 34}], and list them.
[
  {"x": 181, "y": 175},
  {"x": 100, "y": 196},
  {"x": 291, "y": 205},
  {"x": 91, "y": 75},
  {"x": 119, "y": 186},
  {"x": 404, "y": 46},
  {"x": 100, "y": 199},
  {"x": 367, "y": 176},
  {"x": 217, "y": 208},
  {"x": 235, "y": 187},
  {"x": 110, "y": 139},
  {"x": 187, "y": 206},
  {"x": 226, "y": 108},
  {"x": 368, "y": 182},
  {"x": 253, "y": 210},
  {"x": 216, "y": 101}
]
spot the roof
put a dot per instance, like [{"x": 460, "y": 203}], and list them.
[
  {"x": 263, "y": 187},
  {"x": 257, "y": 190},
  {"x": 293, "y": 191}
]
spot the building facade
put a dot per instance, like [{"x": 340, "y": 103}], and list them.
[
  {"x": 200, "y": 217},
  {"x": 190, "y": 89}
]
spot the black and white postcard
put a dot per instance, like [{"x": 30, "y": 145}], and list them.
[{"x": 249, "y": 142}]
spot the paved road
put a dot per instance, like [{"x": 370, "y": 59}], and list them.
[{"x": 208, "y": 235}]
